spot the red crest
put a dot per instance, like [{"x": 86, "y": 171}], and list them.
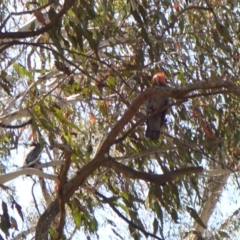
[{"x": 159, "y": 79}]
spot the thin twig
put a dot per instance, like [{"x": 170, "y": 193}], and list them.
[
  {"x": 34, "y": 199},
  {"x": 131, "y": 223}
]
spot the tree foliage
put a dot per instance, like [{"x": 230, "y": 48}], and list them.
[{"x": 75, "y": 75}]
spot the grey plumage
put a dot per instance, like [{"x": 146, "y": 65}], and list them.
[
  {"x": 33, "y": 154},
  {"x": 155, "y": 103}
]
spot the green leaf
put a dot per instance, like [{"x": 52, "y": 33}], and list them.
[
  {"x": 77, "y": 217},
  {"x": 143, "y": 13},
  {"x": 59, "y": 114},
  {"x": 195, "y": 216},
  {"x": 181, "y": 25},
  {"x": 176, "y": 195},
  {"x": 224, "y": 234},
  {"x": 4, "y": 208},
  {"x": 32, "y": 26},
  {"x": 155, "y": 226},
  {"x": 3, "y": 74},
  {"x": 14, "y": 223},
  {"x": 124, "y": 195},
  {"x": 224, "y": 32},
  {"x": 158, "y": 211},
  {"x": 53, "y": 232},
  {"x": 111, "y": 81},
  {"x": 22, "y": 71},
  {"x": 94, "y": 225},
  {"x": 236, "y": 138},
  {"x": 79, "y": 39},
  {"x": 89, "y": 150},
  {"x": 5, "y": 219},
  {"x": 19, "y": 210},
  {"x": 174, "y": 215},
  {"x": 144, "y": 34}
]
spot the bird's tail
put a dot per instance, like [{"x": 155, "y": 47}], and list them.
[{"x": 152, "y": 134}]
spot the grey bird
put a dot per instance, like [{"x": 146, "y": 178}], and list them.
[
  {"x": 33, "y": 154},
  {"x": 154, "y": 103}
]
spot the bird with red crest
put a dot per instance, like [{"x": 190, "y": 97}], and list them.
[{"x": 156, "y": 104}]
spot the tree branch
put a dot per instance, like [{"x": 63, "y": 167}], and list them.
[
  {"x": 158, "y": 179},
  {"x": 66, "y": 6},
  {"x": 60, "y": 194},
  {"x": 25, "y": 171},
  {"x": 16, "y": 126}
]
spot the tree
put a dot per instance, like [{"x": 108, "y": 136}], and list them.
[{"x": 75, "y": 75}]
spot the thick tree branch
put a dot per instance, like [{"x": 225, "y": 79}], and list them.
[
  {"x": 60, "y": 194},
  {"x": 29, "y": 171},
  {"x": 157, "y": 179}
]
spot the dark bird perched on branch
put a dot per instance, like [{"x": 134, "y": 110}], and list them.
[
  {"x": 33, "y": 154},
  {"x": 155, "y": 103}
]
